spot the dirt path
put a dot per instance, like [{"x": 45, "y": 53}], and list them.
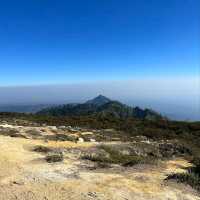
[{"x": 24, "y": 175}]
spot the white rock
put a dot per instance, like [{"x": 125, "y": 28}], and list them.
[
  {"x": 6, "y": 126},
  {"x": 87, "y": 133},
  {"x": 146, "y": 141},
  {"x": 80, "y": 140},
  {"x": 92, "y": 140},
  {"x": 62, "y": 127},
  {"x": 53, "y": 128}
]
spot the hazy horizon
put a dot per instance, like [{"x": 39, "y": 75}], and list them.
[{"x": 181, "y": 102}]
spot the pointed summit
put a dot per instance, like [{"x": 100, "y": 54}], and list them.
[{"x": 99, "y": 100}]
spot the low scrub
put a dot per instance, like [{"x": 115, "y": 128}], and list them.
[
  {"x": 11, "y": 133},
  {"x": 189, "y": 178},
  {"x": 42, "y": 149},
  {"x": 33, "y": 132},
  {"x": 168, "y": 150},
  {"x": 60, "y": 137},
  {"x": 110, "y": 155},
  {"x": 118, "y": 157},
  {"x": 55, "y": 157}
]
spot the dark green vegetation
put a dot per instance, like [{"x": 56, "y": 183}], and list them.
[{"x": 102, "y": 107}]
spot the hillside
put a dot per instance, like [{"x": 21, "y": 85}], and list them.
[
  {"x": 101, "y": 106},
  {"x": 64, "y": 162}
]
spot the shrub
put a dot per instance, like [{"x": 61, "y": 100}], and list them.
[
  {"x": 189, "y": 178},
  {"x": 42, "y": 149},
  {"x": 111, "y": 155},
  {"x": 33, "y": 132},
  {"x": 60, "y": 137},
  {"x": 11, "y": 133},
  {"x": 55, "y": 157}
]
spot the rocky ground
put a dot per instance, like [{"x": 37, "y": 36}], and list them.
[{"x": 46, "y": 163}]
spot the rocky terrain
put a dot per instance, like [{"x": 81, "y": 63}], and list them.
[{"x": 64, "y": 162}]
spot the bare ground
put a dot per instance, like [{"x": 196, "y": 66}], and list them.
[{"x": 25, "y": 175}]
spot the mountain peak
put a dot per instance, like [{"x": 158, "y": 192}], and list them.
[
  {"x": 99, "y": 100},
  {"x": 101, "y": 106}
]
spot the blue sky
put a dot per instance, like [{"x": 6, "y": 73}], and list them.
[
  {"x": 58, "y": 42},
  {"x": 141, "y": 52}
]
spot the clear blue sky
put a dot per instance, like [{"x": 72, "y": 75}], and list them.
[{"x": 62, "y": 41}]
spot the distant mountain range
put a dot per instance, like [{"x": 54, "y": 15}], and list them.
[
  {"x": 24, "y": 108},
  {"x": 103, "y": 107}
]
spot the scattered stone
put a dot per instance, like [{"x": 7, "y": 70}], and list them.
[
  {"x": 109, "y": 130},
  {"x": 6, "y": 126},
  {"x": 92, "y": 194},
  {"x": 18, "y": 182},
  {"x": 73, "y": 137},
  {"x": 146, "y": 141},
  {"x": 170, "y": 149},
  {"x": 80, "y": 140},
  {"x": 116, "y": 139},
  {"x": 53, "y": 128},
  {"x": 11, "y": 132},
  {"x": 73, "y": 130},
  {"x": 87, "y": 133},
  {"x": 62, "y": 127},
  {"x": 142, "y": 137}
]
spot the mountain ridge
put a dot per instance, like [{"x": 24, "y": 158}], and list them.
[
  {"x": 101, "y": 106},
  {"x": 99, "y": 100}
]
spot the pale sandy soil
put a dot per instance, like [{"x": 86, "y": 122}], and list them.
[{"x": 25, "y": 175}]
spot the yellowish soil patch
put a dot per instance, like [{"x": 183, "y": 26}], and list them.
[
  {"x": 24, "y": 175},
  {"x": 68, "y": 144}
]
